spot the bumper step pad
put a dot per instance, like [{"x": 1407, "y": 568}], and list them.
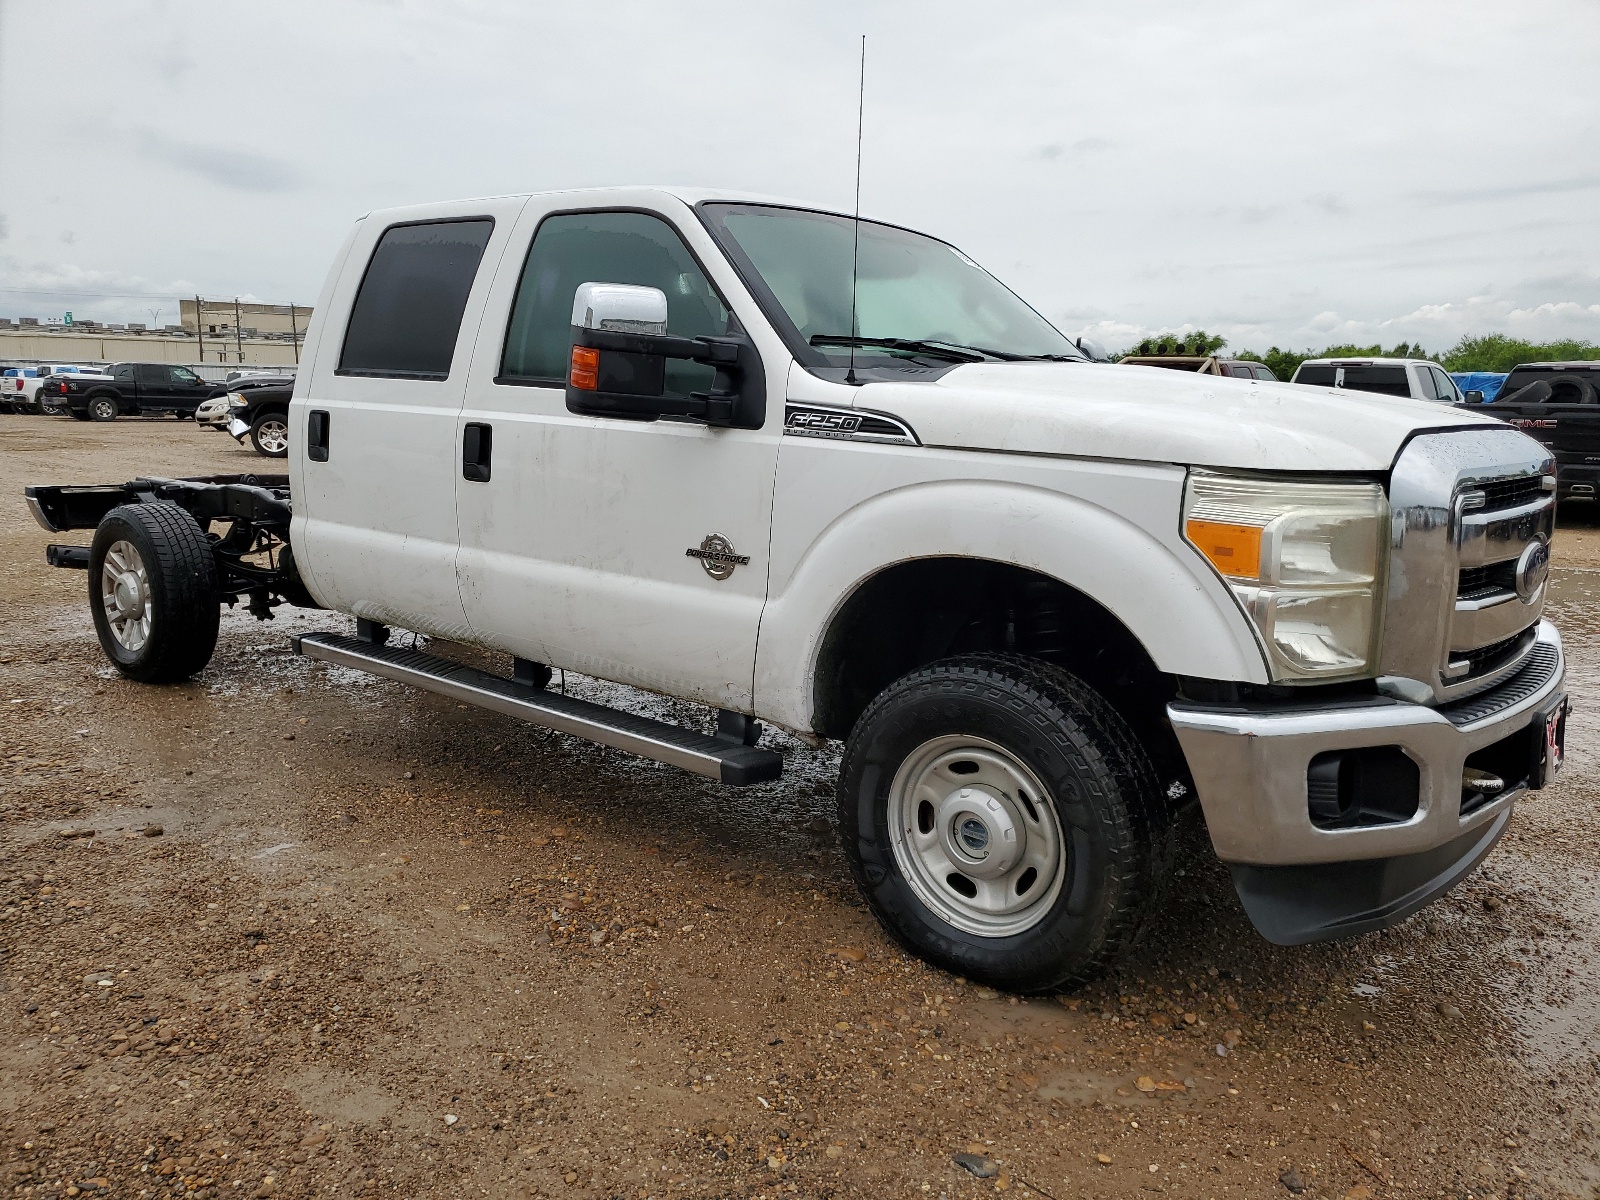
[{"x": 717, "y": 758}]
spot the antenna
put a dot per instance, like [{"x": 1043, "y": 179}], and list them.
[{"x": 855, "y": 247}]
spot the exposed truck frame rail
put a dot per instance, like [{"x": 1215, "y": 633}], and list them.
[{"x": 246, "y": 518}]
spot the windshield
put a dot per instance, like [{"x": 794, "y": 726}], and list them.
[{"x": 910, "y": 289}]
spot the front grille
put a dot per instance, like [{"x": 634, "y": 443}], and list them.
[
  {"x": 1486, "y": 659},
  {"x": 1477, "y": 583},
  {"x": 1535, "y": 673},
  {"x": 1510, "y": 493}
]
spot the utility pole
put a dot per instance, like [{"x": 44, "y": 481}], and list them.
[
  {"x": 238, "y": 334},
  {"x": 294, "y": 334},
  {"x": 199, "y": 326}
]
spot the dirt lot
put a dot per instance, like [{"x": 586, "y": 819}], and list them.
[{"x": 287, "y": 930}]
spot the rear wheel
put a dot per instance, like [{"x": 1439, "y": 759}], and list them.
[
  {"x": 153, "y": 592},
  {"x": 103, "y": 408},
  {"x": 1003, "y": 823},
  {"x": 269, "y": 434}
]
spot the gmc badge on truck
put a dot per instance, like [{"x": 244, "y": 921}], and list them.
[{"x": 717, "y": 556}]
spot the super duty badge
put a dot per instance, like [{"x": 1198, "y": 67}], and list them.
[{"x": 846, "y": 425}]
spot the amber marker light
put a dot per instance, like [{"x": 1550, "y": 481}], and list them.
[
  {"x": 1235, "y": 550},
  {"x": 585, "y": 368}
]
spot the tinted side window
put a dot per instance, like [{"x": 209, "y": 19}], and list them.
[
  {"x": 123, "y": 373},
  {"x": 1321, "y": 375},
  {"x": 408, "y": 312},
  {"x": 606, "y": 247},
  {"x": 1265, "y": 372},
  {"x": 182, "y": 375}
]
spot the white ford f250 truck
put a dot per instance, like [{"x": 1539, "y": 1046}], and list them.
[{"x": 675, "y": 439}]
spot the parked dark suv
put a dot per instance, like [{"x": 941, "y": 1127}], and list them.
[{"x": 131, "y": 389}]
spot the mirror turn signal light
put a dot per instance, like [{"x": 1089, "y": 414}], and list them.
[
  {"x": 1235, "y": 550},
  {"x": 585, "y": 375}
]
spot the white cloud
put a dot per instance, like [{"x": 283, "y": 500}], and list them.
[{"x": 1148, "y": 168}]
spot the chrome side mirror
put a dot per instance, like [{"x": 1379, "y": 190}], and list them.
[
  {"x": 620, "y": 351},
  {"x": 620, "y": 308},
  {"x": 1473, "y": 397},
  {"x": 1092, "y": 350}
]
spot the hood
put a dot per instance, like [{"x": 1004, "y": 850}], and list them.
[{"x": 1148, "y": 414}]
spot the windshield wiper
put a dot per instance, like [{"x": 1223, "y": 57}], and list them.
[
  {"x": 954, "y": 351},
  {"x": 934, "y": 349}
]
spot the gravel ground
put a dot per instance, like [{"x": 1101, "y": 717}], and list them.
[{"x": 287, "y": 930}]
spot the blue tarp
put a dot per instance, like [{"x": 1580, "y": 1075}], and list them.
[{"x": 1487, "y": 382}]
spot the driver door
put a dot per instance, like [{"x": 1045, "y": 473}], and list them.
[{"x": 578, "y": 549}]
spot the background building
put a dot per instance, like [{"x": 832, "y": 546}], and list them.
[
  {"x": 212, "y": 332},
  {"x": 216, "y": 317}
]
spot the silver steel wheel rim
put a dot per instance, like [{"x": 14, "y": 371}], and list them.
[
  {"x": 103, "y": 406},
  {"x": 273, "y": 435},
  {"x": 125, "y": 592},
  {"x": 976, "y": 836}
]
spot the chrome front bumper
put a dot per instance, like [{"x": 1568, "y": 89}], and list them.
[{"x": 1250, "y": 767}]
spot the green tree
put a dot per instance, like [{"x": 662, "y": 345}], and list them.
[{"x": 1497, "y": 352}]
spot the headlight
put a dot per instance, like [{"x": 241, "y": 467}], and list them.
[
  {"x": 1304, "y": 559},
  {"x": 235, "y": 400}
]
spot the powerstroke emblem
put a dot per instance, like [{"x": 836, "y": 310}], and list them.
[{"x": 716, "y": 555}]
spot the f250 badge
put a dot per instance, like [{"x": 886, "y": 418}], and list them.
[{"x": 717, "y": 556}]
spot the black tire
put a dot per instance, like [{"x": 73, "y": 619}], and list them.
[
  {"x": 269, "y": 434},
  {"x": 1569, "y": 390},
  {"x": 102, "y": 408},
  {"x": 183, "y": 604},
  {"x": 1112, "y": 822}
]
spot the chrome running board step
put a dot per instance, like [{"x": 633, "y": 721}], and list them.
[{"x": 717, "y": 758}]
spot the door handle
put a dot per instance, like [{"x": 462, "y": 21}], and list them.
[
  {"x": 317, "y": 436},
  {"x": 477, "y": 442}
]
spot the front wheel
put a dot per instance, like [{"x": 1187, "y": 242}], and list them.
[
  {"x": 153, "y": 592},
  {"x": 269, "y": 434},
  {"x": 102, "y": 408},
  {"x": 1003, "y": 823}
]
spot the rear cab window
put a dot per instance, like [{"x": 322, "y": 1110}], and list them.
[
  {"x": 1386, "y": 380},
  {"x": 1566, "y": 386},
  {"x": 408, "y": 310}
]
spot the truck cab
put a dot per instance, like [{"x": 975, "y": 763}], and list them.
[
  {"x": 1415, "y": 378},
  {"x": 830, "y": 475}
]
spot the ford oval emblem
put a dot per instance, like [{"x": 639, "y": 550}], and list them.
[{"x": 1533, "y": 568}]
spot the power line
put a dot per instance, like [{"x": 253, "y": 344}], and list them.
[{"x": 107, "y": 295}]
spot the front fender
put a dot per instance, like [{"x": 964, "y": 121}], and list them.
[{"x": 1121, "y": 548}]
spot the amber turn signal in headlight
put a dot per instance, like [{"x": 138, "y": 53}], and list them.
[
  {"x": 1235, "y": 550},
  {"x": 585, "y": 374},
  {"x": 1305, "y": 560}
]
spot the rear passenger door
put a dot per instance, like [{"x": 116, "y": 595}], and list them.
[
  {"x": 373, "y": 430},
  {"x": 154, "y": 386}
]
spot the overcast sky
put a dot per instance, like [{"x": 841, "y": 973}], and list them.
[{"x": 1278, "y": 172}]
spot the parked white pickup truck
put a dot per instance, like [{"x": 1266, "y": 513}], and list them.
[{"x": 660, "y": 437}]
